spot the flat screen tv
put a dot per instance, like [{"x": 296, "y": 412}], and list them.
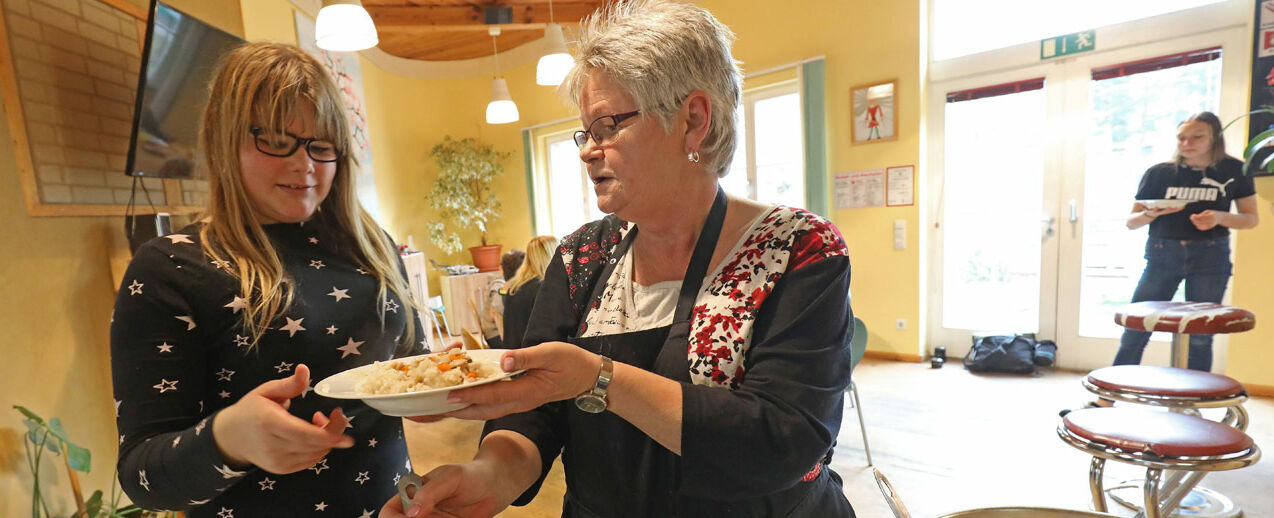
[{"x": 178, "y": 61}]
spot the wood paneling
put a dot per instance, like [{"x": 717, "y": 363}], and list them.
[{"x": 447, "y": 30}]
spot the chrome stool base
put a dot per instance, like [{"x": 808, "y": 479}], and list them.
[{"x": 1200, "y": 502}]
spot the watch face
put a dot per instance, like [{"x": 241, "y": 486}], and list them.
[{"x": 591, "y": 403}]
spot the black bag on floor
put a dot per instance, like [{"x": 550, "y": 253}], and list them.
[{"x": 1007, "y": 354}]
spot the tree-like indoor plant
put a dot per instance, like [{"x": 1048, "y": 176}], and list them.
[{"x": 463, "y": 197}]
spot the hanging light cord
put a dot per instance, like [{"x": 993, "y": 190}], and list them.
[
  {"x": 495, "y": 51},
  {"x": 550, "y": 11}
]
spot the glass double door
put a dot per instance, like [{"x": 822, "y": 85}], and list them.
[{"x": 1034, "y": 172}]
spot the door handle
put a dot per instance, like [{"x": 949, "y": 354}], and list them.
[
  {"x": 1048, "y": 225},
  {"x": 1074, "y": 211}
]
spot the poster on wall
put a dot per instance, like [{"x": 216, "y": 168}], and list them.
[
  {"x": 1262, "y": 81},
  {"x": 345, "y": 71},
  {"x": 860, "y": 189},
  {"x": 875, "y": 112}
]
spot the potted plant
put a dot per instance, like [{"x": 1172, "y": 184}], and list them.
[
  {"x": 463, "y": 197},
  {"x": 50, "y": 437}
]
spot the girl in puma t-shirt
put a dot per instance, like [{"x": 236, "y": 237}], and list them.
[{"x": 1190, "y": 243}]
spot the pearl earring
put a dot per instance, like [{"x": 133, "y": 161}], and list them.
[{"x": 693, "y": 156}]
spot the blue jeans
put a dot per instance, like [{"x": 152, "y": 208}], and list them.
[{"x": 1205, "y": 267}]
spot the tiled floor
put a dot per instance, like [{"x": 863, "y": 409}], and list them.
[{"x": 948, "y": 440}]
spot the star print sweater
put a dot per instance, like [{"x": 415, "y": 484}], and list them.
[{"x": 180, "y": 354}]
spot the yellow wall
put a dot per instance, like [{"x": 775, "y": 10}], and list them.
[
  {"x": 55, "y": 279},
  {"x": 861, "y": 48},
  {"x": 1251, "y": 356}
]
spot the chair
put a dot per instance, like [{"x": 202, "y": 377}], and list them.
[
  {"x": 858, "y": 346},
  {"x": 440, "y": 313}
]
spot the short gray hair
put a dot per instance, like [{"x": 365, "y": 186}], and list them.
[{"x": 659, "y": 51}]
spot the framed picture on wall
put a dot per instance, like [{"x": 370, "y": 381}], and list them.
[{"x": 875, "y": 112}]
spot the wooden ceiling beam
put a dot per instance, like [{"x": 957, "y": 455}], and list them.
[
  {"x": 430, "y": 29},
  {"x": 417, "y": 16}
]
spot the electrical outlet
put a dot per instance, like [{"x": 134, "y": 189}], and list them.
[{"x": 900, "y": 324}]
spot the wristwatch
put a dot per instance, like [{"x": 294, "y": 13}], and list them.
[{"x": 594, "y": 401}]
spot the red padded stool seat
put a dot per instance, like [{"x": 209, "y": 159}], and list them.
[
  {"x": 1160, "y": 434},
  {"x": 1166, "y": 386},
  {"x": 1157, "y": 441},
  {"x": 1189, "y": 318}
]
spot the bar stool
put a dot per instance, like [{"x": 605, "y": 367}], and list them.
[
  {"x": 1183, "y": 319},
  {"x": 1157, "y": 441},
  {"x": 1176, "y": 388}
]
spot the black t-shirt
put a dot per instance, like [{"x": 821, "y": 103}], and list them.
[{"x": 1215, "y": 188}]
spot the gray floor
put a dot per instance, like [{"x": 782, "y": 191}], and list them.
[
  {"x": 950, "y": 440},
  {"x": 947, "y": 439}
]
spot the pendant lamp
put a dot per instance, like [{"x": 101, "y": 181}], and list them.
[
  {"x": 344, "y": 25},
  {"x": 501, "y": 109},
  {"x": 553, "y": 67}
]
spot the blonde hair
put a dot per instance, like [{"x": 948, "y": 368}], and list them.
[
  {"x": 539, "y": 252},
  {"x": 268, "y": 85},
  {"x": 660, "y": 51}
]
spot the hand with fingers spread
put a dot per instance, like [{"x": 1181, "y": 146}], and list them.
[
  {"x": 554, "y": 371},
  {"x": 258, "y": 430}
]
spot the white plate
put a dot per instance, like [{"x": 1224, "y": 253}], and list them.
[
  {"x": 426, "y": 402},
  {"x": 1164, "y": 204}
]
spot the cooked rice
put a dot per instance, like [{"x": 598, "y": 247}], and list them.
[{"x": 438, "y": 370}]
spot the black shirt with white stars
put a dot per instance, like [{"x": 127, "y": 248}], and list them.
[{"x": 180, "y": 353}]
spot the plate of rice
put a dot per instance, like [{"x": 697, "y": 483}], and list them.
[{"x": 416, "y": 385}]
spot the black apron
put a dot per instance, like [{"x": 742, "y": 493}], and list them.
[{"x": 614, "y": 469}]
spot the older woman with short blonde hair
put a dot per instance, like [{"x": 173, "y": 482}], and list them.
[{"x": 687, "y": 354}]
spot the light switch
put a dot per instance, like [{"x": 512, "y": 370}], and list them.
[{"x": 900, "y": 234}]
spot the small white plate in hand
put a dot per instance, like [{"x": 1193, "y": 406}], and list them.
[
  {"x": 425, "y": 402},
  {"x": 1164, "y": 204}
]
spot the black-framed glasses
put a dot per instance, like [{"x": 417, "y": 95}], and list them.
[
  {"x": 603, "y": 132},
  {"x": 284, "y": 144}
]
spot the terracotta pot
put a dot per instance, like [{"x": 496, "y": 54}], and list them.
[{"x": 486, "y": 258}]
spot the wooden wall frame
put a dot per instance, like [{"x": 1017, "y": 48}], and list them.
[{"x": 22, "y": 145}]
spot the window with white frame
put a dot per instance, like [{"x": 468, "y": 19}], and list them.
[
  {"x": 768, "y": 164},
  {"x": 566, "y": 199}
]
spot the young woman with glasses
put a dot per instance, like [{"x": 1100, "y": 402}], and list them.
[
  {"x": 688, "y": 354},
  {"x": 221, "y": 329}
]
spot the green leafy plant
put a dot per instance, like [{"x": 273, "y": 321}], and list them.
[
  {"x": 50, "y": 437},
  {"x": 1258, "y": 155},
  {"x": 462, "y": 193}
]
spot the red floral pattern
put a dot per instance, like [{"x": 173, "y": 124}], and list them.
[{"x": 787, "y": 239}]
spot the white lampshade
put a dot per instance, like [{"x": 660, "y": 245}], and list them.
[
  {"x": 501, "y": 109},
  {"x": 343, "y": 25},
  {"x": 554, "y": 66}
]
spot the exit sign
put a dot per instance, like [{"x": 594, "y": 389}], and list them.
[{"x": 1068, "y": 44}]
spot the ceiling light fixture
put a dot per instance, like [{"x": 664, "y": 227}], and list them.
[
  {"x": 344, "y": 25},
  {"x": 501, "y": 109},
  {"x": 554, "y": 66}
]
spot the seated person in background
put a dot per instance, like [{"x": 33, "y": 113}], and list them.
[
  {"x": 492, "y": 329},
  {"x": 519, "y": 293},
  {"x": 688, "y": 354}
]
